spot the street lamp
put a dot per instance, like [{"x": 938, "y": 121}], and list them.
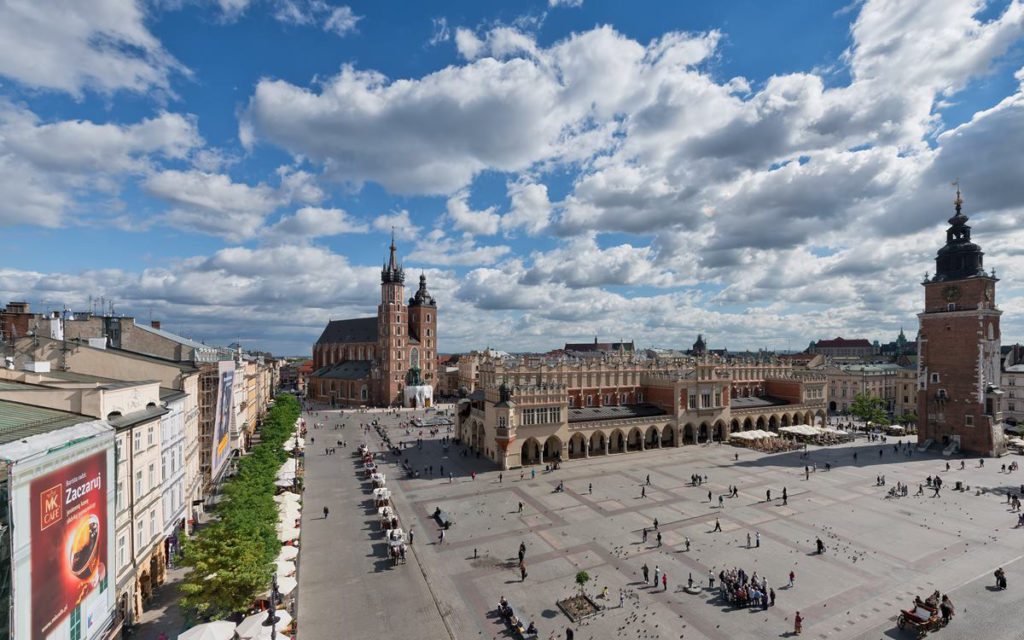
[{"x": 275, "y": 597}]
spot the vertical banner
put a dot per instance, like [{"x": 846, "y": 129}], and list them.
[
  {"x": 69, "y": 542},
  {"x": 222, "y": 423}
]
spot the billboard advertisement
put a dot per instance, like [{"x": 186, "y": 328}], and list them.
[
  {"x": 222, "y": 420},
  {"x": 63, "y": 511}
]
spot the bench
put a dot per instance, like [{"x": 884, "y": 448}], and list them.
[{"x": 443, "y": 518}]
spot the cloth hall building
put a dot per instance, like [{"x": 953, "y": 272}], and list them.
[
  {"x": 370, "y": 361},
  {"x": 533, "y": 409}
]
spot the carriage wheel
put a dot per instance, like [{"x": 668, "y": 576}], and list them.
[{"x": 901, "y": 621}]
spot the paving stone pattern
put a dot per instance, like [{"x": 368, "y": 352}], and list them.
[{"x": 880, "y": 552}]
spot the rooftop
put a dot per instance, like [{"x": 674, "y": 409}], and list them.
[
  {"x": 755, "y": 401},
  {"x": 842, "y": 342},
  {"x": 19, "y": 421},
  {"x": 622, "y": 412},
  {"x": 199, "y": 346},
  {"x": 353, "y": 330}
]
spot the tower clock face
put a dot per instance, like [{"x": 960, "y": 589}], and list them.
[{"x": 951, "y": 293}]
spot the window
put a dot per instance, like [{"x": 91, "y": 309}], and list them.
[
  {"x": 607, "y": 399},
  {"x": 140, "y": 532},
  {"x": 639, "y": 397},
  {"x": 75, "y": 622},
  {"x": 968, "y": 421},
  {"x": 590, "y": 401},
  {"x": 705, "y": 400},
  {"x": 120, "y": 495},
  {"x": 149, "y": 436},
  {"x": 942, "y": 394},
  {"x": 718, "y": 398},
  {"x": 163, "y": 466},
  {"x": 950, "y": 306},
  {"x": 138, "y": 441},
  {"x": 428, "y": 333},
  {"x": 693, "y": 401},
  {"x": 572, "y": 402},
  {"x": 138, "y": 484},
  {"x": 152, "y": 522},
  {"x": 935, "y": 377},
  {"x": 502, "y": 422},
  {"x": 122, "y": 551},
  {"x": 152, "y": 475},
  {"x": 428, "y": 320}
]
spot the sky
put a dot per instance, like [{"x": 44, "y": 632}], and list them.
[{"x": 766, "y": 174}]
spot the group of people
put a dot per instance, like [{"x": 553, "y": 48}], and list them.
[
  {"x": 509, "y": 616},
  {"x": 742, "y": 590}
]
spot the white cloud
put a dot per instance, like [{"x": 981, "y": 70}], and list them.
[
  {"x": 565, "y": 3},
  {"x": 439, "y": 249},
  {"x": 530, "y": 210},
  {"x": 441, "y": 31},
  {"x": 312, "y": 222},
  {"x": 483, "y": 222},
  {"x": 45, "y": 166},
  {"x": 103, "y": 45},
  {"x": 338, "y": 20},
  {"x": 467, "y": 43},
  {"x": 342, "y": 21},
  {"x": 399, "y": 222},
  {"x": 212, "y": 203},
  {"x": 582, "y": 263}
]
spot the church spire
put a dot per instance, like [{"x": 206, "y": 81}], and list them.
[{"x": 392, "y": 271}]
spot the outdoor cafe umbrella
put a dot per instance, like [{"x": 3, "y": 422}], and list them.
[
  {"x": 285, "y": 585},
  {"x": 219, "y": 630},
  {"x": 287, "y": 553},
  {"x": 253, "y": 628},
  {"x": 285, "y": 568}
]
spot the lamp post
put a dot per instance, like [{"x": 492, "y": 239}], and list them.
[{"x": 272, "y": 618}]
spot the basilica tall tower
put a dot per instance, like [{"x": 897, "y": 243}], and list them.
[
  {"x": 958, "y": 398},
  {"x": 392, "y": 338}
]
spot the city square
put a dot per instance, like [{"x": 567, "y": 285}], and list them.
[{"x": 880, "y": 552}]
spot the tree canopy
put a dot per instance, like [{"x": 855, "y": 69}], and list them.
[
  {"x": 232, "y": 559},
  {"x": 869, "y": 409}
]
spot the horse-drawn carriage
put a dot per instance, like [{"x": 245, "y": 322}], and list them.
[
  {"x": 378, "y": 480},
  {"x": 924, "y": 617},
  {"x": 381, "y": 497},
  {"x": 396, "y": 546}
]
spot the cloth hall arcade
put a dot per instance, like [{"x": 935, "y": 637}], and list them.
[{"x": 533, "y": 409}]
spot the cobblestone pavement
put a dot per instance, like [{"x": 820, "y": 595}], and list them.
[{"x": 880, "y": 551}]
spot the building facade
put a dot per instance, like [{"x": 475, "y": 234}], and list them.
[
  {"x": 369, "y": 361},
  {"x": 843, "y": 348},
  {"x": 529, "y": 410},
  {"x": 959, "y": 399}
]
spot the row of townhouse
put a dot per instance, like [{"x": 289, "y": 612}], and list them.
[{"x": 178, "y": 410}]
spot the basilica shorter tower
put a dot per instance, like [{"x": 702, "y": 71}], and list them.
[{"x": 958, "y": 398}]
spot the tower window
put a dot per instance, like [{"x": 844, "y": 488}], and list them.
[
  {"x": 935, "y": 377},
  {"x": 428, "y": 317},
  {"x": 950, "y": 306}
]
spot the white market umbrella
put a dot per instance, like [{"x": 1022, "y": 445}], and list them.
[
  {"x": 285, "y": 568},
  {"x": 219, "y": 630},
  {"x": 284, "y": 534},
  {"x": 252, "y": 628},
  {"x": 286, "y": 585},
  {"x": 287, "y": 553}
]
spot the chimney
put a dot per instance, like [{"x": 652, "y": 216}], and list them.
[{"x": 155, "y": 324}]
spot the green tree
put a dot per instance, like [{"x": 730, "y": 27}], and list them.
[
  {"x": 231, "y": 559},
  {"x": 909, "y": 417},
  {"x": 869, "y": 408},
  {"x": 581, "y": 579}
]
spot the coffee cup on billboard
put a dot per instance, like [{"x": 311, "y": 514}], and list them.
[{"x": 83, "y": 554}]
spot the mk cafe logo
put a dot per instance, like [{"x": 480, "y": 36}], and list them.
[{"x": 52, "y": 511}]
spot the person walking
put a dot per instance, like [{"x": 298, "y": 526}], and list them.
[
  {"x": 657, "y": 575},
  {"x": 718, "y": 525},
  {"x": 771, "y": 597},
  {"x": 522, "y": 571},
  {"x": 798, "y": 624},
  {"x": 768, "y": 495},
  {"x": 711, "y": 579},
  {"x": 648, "y": 479},
  {"x": 533, "y": 474},
  {"x": 326, "y": 511},
  {"x": 664, "y": 582},
  {"x": 622, "y": 598},
  {"x": 499, "y": 478},
  {"x": 748, "y": 539},
  {"x": 792, "y": 577},
  {"x": 569, "y": 635},
  {"x": 520, "y": 507},
  {"x": 410, "y": 536},
  {"x": 645, "y": 534},
  {"x": 643, "y": 491},
  {"x": 709, "y": 496},
  {"x": 659, "y": 538},
  {"x": 645, "y": 571},
  {"x": 655, "y": 524},
  {"x": 686, "y": 541},
  {"x": 590, "y": 487},
  {"x": 721, "y": 504},
  {"x": 440, "y": 537},
  {"x": 785, "y": 496},
  {"x": 757, "y": 539}
]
